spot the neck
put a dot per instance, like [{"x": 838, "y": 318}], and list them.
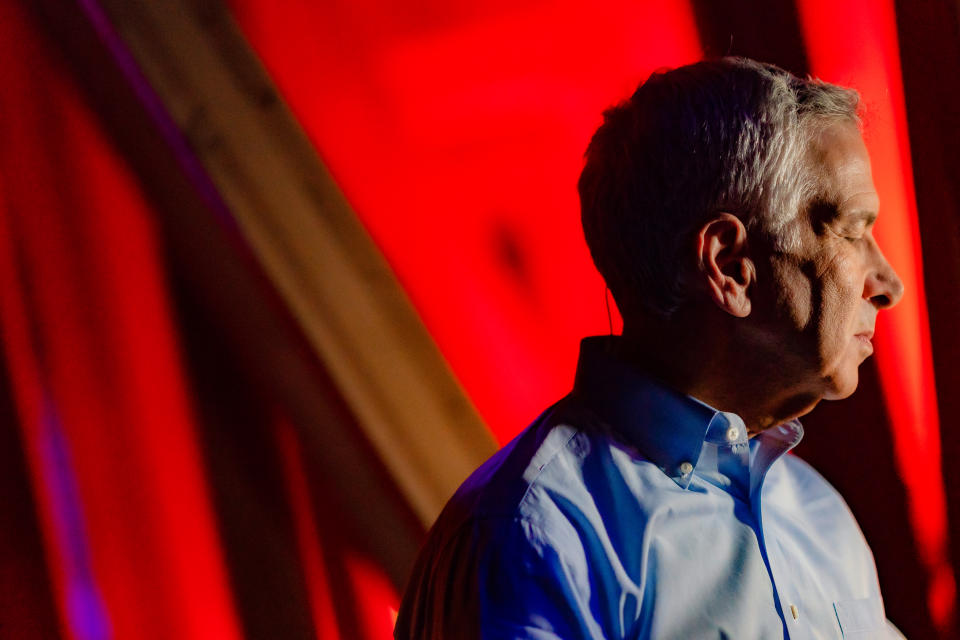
[{"x": 698, "y": 353}]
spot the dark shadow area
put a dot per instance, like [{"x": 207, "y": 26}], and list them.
[
  {"x": 764, "y": 30},
  {"x": 250, "y": 497},
  {"x": 27, "y": 609},
  {"x": 930, "y": 56}
]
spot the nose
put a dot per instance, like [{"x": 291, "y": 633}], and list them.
[{"x": 883, "y": 287}]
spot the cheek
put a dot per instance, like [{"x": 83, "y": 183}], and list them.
[
  {"x": 840, "y": 291},
  {"x": 794, "y": 294},
  {"x": 839, "y": 352}
]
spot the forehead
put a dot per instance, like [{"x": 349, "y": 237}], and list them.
[{"x": 841, "y": 166}]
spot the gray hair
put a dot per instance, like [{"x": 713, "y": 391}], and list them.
[{"x": 726, "y": 135}]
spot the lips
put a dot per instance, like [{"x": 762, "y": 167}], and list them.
[{"x": 864, "y": 338}]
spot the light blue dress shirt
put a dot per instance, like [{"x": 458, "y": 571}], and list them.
[{"x": 628, "y": 510}]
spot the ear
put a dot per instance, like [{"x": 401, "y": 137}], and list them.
[{"x": 725, "y": 268}]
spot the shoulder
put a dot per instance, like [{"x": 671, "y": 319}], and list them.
[
  {"x": 566, "y": 470},
  {"x": 555, "y": 454},
  {"x": 524, "y": 524},
  {"x": 482, "y": 534}
]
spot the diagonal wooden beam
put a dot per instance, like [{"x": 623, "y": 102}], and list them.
[{"x": 310, "y": 244}]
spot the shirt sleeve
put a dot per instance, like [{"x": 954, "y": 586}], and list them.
[
  {"x": 497, "y": 578},
  {"x": 529, "y": 590}
]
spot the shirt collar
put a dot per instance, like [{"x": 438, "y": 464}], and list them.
[{"x": 667, "y": 427}]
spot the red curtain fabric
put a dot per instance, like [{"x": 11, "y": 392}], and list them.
[
  {"x": 95, "y": 370},
  {"x": 456, "y": 131},
  {"x": 124, "y": 489}
]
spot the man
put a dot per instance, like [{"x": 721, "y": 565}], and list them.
[{"x": 729, "y": 205}]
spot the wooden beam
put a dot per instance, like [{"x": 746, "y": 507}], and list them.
[{"x": 310, "y": 244}]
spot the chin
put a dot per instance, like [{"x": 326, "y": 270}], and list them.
[{"x": 842, "y": 384}]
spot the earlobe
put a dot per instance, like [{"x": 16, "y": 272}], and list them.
[{"x": 725, "y": 266}]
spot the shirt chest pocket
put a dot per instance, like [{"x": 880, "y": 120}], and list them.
[{"x": 861, "y": 619}]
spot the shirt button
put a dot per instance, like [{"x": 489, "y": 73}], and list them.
[
  {"x": 685, "y": 468},
  {"x": 732, "y": 434},
  {"x": 794, "y": 612}
]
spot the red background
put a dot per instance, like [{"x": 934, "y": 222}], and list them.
[{"x": 456, "y": 131}]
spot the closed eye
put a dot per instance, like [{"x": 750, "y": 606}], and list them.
[{"x": 857, "y": 232}]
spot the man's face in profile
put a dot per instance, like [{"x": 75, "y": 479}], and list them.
[{"x": 830, "y": 287}]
